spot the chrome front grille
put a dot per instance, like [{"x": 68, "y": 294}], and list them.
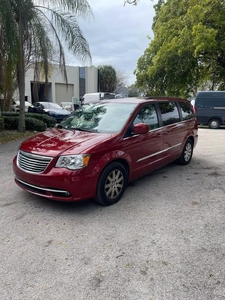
[{"x": 32, "y": 163}]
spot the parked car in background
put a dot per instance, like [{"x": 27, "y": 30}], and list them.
[
  {"x": 209, "y": 107},
  {"x": 119, "y": 96},
  {"x": 66, "y": 105},
  {"x": 102, "y": 146},
  {"x": 16, "y": 106},
  {"x": 95, "y": 97},
  {"x": 49, "y": 108}
]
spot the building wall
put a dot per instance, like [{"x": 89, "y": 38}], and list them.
[
  {"x": 91, "y": 82},
  {"x": 57, "y": 89}
]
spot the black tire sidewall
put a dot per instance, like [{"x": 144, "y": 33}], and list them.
[
  {"x": 100, "y": 192},
  {"x": 182, "y": 161},
  {"x": 213, "y": 127}
]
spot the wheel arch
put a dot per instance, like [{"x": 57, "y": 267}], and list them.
[
  {"x": 103, "y": 197},
  {"x": 113, "y": 156},
  {"x": 191, "y": 138},
  {"x": 215, "y": 118},
  {"x": 119, "y": 160}
]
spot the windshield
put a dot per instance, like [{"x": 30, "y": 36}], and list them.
[{"x": 103, "y": 118}]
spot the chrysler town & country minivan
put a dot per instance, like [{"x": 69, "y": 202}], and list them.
[{"x": 102, "y": 146}]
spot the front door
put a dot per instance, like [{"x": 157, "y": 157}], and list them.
[{"x": 147, "y": 148}]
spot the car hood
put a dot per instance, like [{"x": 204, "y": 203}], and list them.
[{"x": 57, "y": 141}]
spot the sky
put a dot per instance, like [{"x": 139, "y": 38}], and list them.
[{"x": 117, "y": 35}]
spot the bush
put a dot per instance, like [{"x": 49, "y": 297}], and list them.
[
  {"x": 2, "y": 124},
  {"x": 12, "y": 122},
  {"x": 35, "y": 124},
  {"x": 10, "y": 114},
  {"x": 50, "y": 121}
]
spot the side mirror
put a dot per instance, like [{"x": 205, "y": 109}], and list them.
[{"x": 140, "y": 128}]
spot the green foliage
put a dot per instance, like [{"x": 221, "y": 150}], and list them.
[
  {"x": 35, "y": 124},
  {"x": 2, "y": 124},
  {"x": 11, "y": 123},
  {"x": 187, "y": 49},
  {"x": 10, "y": 114},
  {"x": 133, "y": 91},
  {"x": 48, "y": 120},
  {"x": 107, "y": 78},
  {"x": 27, "y": 29}
]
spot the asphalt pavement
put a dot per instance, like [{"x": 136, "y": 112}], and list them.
[{"x": 164, "y": 240}]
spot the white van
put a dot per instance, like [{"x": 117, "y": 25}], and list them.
[{"x": 95, "y": 97}]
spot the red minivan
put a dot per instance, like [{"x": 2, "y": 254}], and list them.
[{"x": 102, "y": 146}]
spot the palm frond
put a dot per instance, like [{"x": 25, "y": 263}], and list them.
[
  {"x": 79, "y": 7},
  {"x": 64, "y": 26}
]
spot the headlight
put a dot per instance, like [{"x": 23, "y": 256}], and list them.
[{"x": 73, "y": 162}]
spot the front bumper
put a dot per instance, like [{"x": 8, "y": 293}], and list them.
[{"x": 58, "y": 184}]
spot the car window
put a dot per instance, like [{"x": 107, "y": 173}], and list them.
[
  {"x": 205, "y": 100},
  {"x": 186, "y": 110},
  {"x": 169, "y": 112},
  {"x": 148, "y": 115}
]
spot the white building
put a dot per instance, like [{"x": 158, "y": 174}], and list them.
[{"x": 81, "y": 80}]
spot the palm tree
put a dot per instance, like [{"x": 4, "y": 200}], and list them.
[{"x": 34, "y": 31}]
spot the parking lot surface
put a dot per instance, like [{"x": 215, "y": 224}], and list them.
[{"x": 164, "y": 240}]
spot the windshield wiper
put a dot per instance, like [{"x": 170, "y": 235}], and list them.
[{"x": 84, "y": 129}]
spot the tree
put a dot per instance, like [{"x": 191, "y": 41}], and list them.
[
  {"x": 107, "y": 78},
  {"x": 28, "y": 31},
  {"x": 187, "y": 49},
  {"x": 133, "y": 91},
  {"x": 121, "y": 78}
]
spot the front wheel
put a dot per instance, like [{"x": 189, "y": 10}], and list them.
[
  {"x": 112, "y": 184},
  {"x": 187, "y": 152},
  {"x": 214, "y": 124}
]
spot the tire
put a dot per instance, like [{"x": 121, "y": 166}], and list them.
[
  {"x": 187, "y": 152},
  {"x": 109, "y": 193},
  {"x": 214, "y": 124}
]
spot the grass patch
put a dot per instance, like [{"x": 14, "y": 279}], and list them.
[{"x": 13, "y": 135}]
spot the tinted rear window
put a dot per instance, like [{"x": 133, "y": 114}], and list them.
[
  {"x": 169, "y": 112},
  {"x": 186, "y": 110}
]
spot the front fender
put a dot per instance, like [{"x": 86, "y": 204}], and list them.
[{"x": 115, "y": 155}]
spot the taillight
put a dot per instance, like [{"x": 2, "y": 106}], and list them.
[{"x": 194, "y": 109}]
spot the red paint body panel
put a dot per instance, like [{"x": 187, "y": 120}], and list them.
[{"x": 140, "y": 154}]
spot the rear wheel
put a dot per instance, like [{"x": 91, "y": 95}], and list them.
[
  {"x": 187, "y": 152},
  {"x": 112, "y": 184},
  {"x": 214, "y": 124}
]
